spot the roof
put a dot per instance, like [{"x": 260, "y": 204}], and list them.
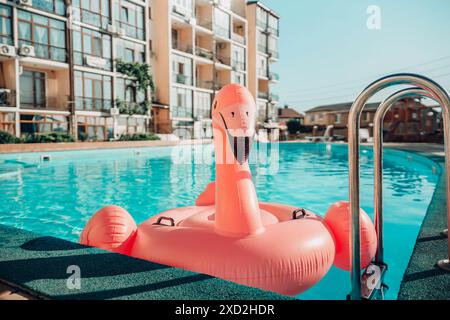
[
  {"x": 342, "y": 107},
  {"x": 265, "y": 7},
  {"x": 289, "y": 113}
]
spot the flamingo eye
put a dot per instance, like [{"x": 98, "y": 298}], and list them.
[
  {"x": 232, "y": 113},
  {"x": 246, "y": 113},
  {"x": 215, "y": 105}
]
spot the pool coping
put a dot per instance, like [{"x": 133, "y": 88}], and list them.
[{"x": 423, "y": 280}]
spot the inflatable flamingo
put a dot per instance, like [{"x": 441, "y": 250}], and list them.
[{"x": 228, "y": 233}]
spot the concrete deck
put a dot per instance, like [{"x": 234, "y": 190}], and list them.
[
  {"x": 36, "y": 267},
  {"x": 422, "y": 279},
  {"x": 73, "y": 146}
]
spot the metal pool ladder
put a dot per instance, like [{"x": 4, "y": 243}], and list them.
[{"x": 366, "y": 286}]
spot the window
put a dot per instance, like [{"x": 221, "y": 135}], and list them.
[
  {"x": 54, "y": 6},
  {"x": 130, "y": 17},
  {"x": 32, "y": 89},
  {"x": 182, "y": 70},
  {"x": 5, "y": 25},
  {"x": 92, "y": 91},
  {"x": 338, "y": 118},
  {"x": 273, "y": 25},
  {"x": 94, "y": 128},
  {"x": 37, "y": 123},
  {"x": 129, "y": 51},
  {"x": 222, "y": 23},
  {"x": 131, "y": 125},
  {"x": 181, "y": 103},
  {"x": 92, "y": 48},
  {"x": 238, "y": 54},
  {"x": 262, "y": 42},
  {"x": 126, "y": 91},
  {"x": 202, "y": 103},
  {"x": 273, "y": 45},
  {"x": 262, "y": 66},
  {"x": 238, "y": 77},
  {"x": 414, "y": 116},
  {"x": 93, "y": 12},
  {"x": 8, "y": 122},
  {"x": 261, "y": 18},
  {"x": 48, "y": 36}
]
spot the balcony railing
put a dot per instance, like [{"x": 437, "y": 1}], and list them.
[
  {"x": 263, "y": 95},
  {"x": 204, "y": 53},
  {"x": 262, "y": 48},
  {"x": 274, "y": 97},
  {"x": 273, "y": 54},
  {"x": 92, "y": 18},
  {"x": 262, "y": 72},
  {"x": 205, "y": 84},
  {"x": 58, "y": 103},
  {"x": 238, "y": 65},
  {"x": 273, "y": 31},
  {"x": 50, "y": 6},
  {"x": 205, "y": 23},
  {"x": 221, "y": 31},
  {"x": 7, "y": 98},
  {"x": 182, "y": 47},
  {"x": 238, "y": 38},
  {"x": 6, "y": 39},
  {"x": 182, "y": 79},
  {"x": 262, "y": 24},
  {"x": 273, "y": 76},
  {"x": 223, "y": 60},
  {"x": 93, "y": 104},
  {"x": 49, "y": 52}
]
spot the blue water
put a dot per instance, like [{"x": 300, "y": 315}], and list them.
[{"x": 58, "y": 197}]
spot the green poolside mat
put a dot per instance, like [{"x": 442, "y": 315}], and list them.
[{"x": 40, "y": 264}]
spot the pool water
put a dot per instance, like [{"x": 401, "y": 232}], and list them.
[{"x": 58, "y": 197}]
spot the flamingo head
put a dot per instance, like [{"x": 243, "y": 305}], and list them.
[{"x": 234, "y": 115}]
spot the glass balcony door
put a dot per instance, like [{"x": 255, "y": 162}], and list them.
[{"x": 32, "y": 89}]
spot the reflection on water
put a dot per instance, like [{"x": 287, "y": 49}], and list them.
[{"x": 58, "y": 197}]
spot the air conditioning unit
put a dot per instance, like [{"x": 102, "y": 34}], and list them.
[
  {"x": 6, "y": 50},
  {"x": 25, "y": 2},
  {"x": 114, "y": 111},
  {"x": 27, "y": 51}
]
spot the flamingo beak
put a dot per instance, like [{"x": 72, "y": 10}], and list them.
[{"x": 240, "y": 144}]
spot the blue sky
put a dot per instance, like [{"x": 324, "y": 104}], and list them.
[{"x": 328, "y": 54}]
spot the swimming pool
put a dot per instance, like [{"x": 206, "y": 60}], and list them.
[{"x": 59, "y": 196}]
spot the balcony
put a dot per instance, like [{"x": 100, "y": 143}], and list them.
[
  {"x": 273, "y": 76},
  {"x": 205, "y": 84},
  {"x": 92, "y": 18},
  {"x": 262, "y": 48},
  {"x": 50, "y": 6},
  {"x": 205, "y": 23},
  {"x": 274, "y": 97},
  {"x": 7, "y": 98},
  {"x": 262, "y": 73},
  {"x": 222, "y": 32},
  {"x": 263, "y": 95},
  {"x": 56, "y": 103},
  {"x": 48, "y": 52},
  {"x": 273, "y": 31},
  {"x": 93, "y": 104},
  {"x": 204, "y": 53},
  {"x": 181, "y": 12},
  {"x": 273, "y": 54},
  {"x": 181, "y": 79},
  {"x": 223, "y": 60},
  {"x": 182, "y": 47},
  {"x": 238, "y": 38}
]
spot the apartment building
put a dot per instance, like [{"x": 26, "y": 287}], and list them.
[
  {"x": 263, "y": 38},
  {"x": 200, "y": 45},
  {"x": 58, "y": 67}
]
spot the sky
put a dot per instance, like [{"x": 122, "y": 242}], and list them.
[{"x": 328, "y": 54}]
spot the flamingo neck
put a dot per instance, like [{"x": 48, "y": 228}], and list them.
[{"x": 236, "y": 208}]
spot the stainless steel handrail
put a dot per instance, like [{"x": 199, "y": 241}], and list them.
[
  {"x": 353, "y": 141},
  {"x": 378, "y": 158}
]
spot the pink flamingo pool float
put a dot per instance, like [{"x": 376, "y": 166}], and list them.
[{"x": 229, "y": 234}]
